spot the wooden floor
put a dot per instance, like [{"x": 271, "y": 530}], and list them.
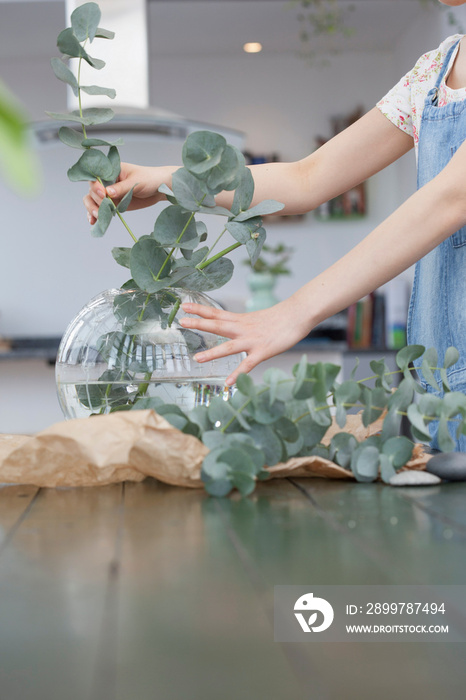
[{"x": 144, "y": 591}]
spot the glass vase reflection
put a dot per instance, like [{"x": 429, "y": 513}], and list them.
[{"x": 126, "y": 345}]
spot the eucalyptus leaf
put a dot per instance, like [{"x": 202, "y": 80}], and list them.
[
  {"x": 240, "y": 232},
  {"x": 451, "y": 357},
  {"x": 70, "y": 137},
  {"x": 417, "y": 421},
  {"x": 402, "y": 397},
  {"x": 244, "y": 193},
  {"x": 387, "y": 470},
  {"x": 246, "y": 386},
  {"x": 243, "y": 482},
  {"x": 226, "y": 174},
  {"x": 267, "y": 206},
  {"x": 268, "y": 442},
  {"x": 286, "y": 429},
  {"x": 445, "y": 440},
  {"x": 189, "y": 192},
  {"x": 104, "y": 33},
  {"x": 399, "y": 450},
  {"x": 255, "y": 244},
  {"x": 121, "y": 255},
  {"x": 281, "y": 385},
  {"x": 126, "y": 201},
  {"x": 175, "y": 227},
  {"x": 380, "y": 368},
  {"x": 342, "y": 446},
  {"x": 84, "y": 21},
  {"x": 91, "y": 165},
  {"x": 106, "y": 212},
  {"x": 88, "y": 143},
  {"x": 70, "y": 46},
  {"x": 391, "y": 424},
  {"x": 428, "y": 361},
  {"x": 222, "y": 414},
  {"x": 202, "y": 151},
  {"x": 211, "y": 277},
  {"x": 63, "y": 73},
  {"x": 408, "y": 354},
  {"x": 365, "y": 463},
  {"x": 148, "y": 264},
  {"x": 90, "y": 116},
  {"x": 96, "y": 90},
  {"x": 114, "y": 158},
  {"x": 214, "y": 210}
]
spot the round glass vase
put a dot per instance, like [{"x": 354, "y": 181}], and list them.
[{"x": 126, "y": 344}]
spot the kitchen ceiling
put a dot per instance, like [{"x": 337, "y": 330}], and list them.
[{"x": 213, "y": 27}]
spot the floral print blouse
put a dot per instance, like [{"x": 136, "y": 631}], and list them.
[{"x": 404, "y": 103}]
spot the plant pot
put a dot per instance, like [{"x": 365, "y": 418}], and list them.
[
  {"x": 125, "y": 345},
  {"x": 261, "y": 285}
]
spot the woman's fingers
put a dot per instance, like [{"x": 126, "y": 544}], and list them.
[
  {"x": 208, "y": 311},
  {"x": 230, "y": 347}
]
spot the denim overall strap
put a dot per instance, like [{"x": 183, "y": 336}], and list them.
[{"x": 437, "y": 310}]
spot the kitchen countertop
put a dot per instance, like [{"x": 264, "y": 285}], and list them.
[{"x": 143, "y": 590}]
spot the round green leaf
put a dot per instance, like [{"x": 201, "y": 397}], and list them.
[
  {"x": 211, "y": 277},
  {"x": 189, "y": 192},
  {"x": 92, "y": 164},
  {"x": 451, "y": 357},
  {"x": 146, "y": 261},
  {"x": 70, "y": 137},
  {"x": 365, "y": 463},
  {"x": 172, "y": 222},
  {"x": 202, "y": 151},
  {"x": 399, "y": 450},
  {"x": 408, "y": 354},
  {"x": 85, "y": 20}
]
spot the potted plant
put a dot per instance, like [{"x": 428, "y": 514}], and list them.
[
  {"x": 264, "y": 272},
  {"x": 127, "y": 343}
]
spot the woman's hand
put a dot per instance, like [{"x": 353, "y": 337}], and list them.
[
  {"x": 145, "y": 180},
  {"x": 261, "y": 334}
]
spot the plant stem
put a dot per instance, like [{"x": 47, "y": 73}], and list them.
[
  {"x": 178, "y": 240},
  {"x": 79, "y": 95},
  {"x": 205, "y": 263},
  {"x": 213, "y": 246},
  {"x": 173, "y": 312}
]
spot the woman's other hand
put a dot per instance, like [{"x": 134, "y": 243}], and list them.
[{"x": 261, "y": 334}]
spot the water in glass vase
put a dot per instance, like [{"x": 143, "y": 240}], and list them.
[
  {"x": 80, "y": 400},
  {"x": 127, "y": 344}
]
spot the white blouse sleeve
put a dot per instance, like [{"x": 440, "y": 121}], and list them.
[
  {"x": 396, "y": 105},
  {"x": 404, "y": 103}
]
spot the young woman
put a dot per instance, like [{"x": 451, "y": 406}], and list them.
[{"x": 425, "y": 110}]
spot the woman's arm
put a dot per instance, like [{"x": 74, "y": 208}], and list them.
[
  {"x": 364, "y": 148},
  {"x": 426, "y": 219}
]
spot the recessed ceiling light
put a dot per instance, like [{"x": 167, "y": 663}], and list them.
[{"x": 252, "y": 47}]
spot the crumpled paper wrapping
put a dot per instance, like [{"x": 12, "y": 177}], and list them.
[{"x": 130, "y": 445}]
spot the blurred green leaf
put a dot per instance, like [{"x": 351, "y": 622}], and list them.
[{"x": 19, "y": 165}]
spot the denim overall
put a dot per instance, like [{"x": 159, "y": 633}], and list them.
[{"x": 437, "y": 309}]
